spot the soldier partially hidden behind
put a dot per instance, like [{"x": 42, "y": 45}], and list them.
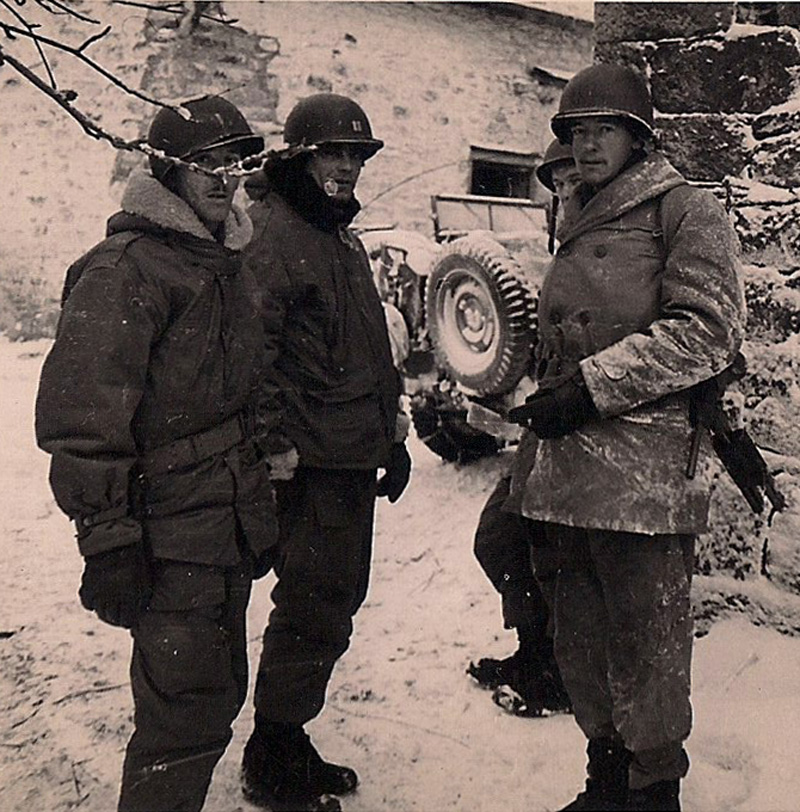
[
  {"x": 642, "y": 302},
  {"x": 335, "y": 395},
  {"x": 528, "y": 682},
  {"x": 146, "y": 405}
]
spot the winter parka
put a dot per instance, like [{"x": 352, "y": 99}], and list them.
[
  {"x": 644, "y": 297},
  {"x": 159, "y": 339},
  {"x": 329, "y": 370}
]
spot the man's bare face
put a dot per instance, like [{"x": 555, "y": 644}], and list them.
[
  {"x": 211, "y": 196},
  {"x": 335, "y": 169},
  {"x": 566, "y": 179}
]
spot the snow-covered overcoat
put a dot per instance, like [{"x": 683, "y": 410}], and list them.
[
  {"x": 644, "y": 297},
  {"x": 159, "y": 339}
]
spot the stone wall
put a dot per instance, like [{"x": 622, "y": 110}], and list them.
[{"x": 724, "y": 80}]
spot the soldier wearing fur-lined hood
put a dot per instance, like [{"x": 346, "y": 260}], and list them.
[{"x": 146, "y": 404}]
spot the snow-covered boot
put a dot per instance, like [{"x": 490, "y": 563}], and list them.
[
  {"x": 282, "y": 771},
  {"x": 607, "y": 778},
  {"x": 533, "y": 685},
  {"x": 663, "y": 796},
  {"x": 490, "y": 672}
]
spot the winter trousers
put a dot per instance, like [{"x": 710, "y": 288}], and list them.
[
  {"x": 503, "y": 549},
  {"x": 623, "y": 639},
  {"x": 323, "y": 557},
  {"x": 189, "y": 682}
]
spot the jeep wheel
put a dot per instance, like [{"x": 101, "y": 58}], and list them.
[
  {"x": 480, "y": 315},
  {"x": 447, "y": 433}
]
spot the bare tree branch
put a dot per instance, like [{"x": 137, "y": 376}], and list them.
[
  {"x": 90, "y": 40},
  {"x": 45, "y": 4},
  {"x": 173, "y": 8},
  {"x": 62, "y": 98},
  {"x": 78, "y": 54},
  {"x": 31, "y": 33}
]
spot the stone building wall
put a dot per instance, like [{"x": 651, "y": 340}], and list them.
[
  {"x": 433, "y": 77},
  {"x": 724, "y": 80}
]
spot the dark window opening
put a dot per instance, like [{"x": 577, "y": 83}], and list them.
[
  {"x": 497, "y": 180},
  {"x": 501, "y": 173}
]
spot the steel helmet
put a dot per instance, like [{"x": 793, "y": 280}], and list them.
[
  {"x": 327, "y": 118},
  {"x": 212, "y": 122},
  {"x": 555, "y": 154},
  {"x": 605, "y": 90}
]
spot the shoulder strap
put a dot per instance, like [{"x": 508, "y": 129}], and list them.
[{"x": 113, "y": 246}]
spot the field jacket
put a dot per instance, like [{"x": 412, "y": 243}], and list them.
[
  {"x": 159, "y": 339},
  {"x": 329, "y": 372},
  {"x": 644, "y": 297}
]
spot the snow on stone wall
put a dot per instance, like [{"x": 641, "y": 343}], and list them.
[{"x": 724, "y": 80}]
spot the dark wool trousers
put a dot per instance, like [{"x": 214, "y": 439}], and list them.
[
  {"x": 503, "y": 549},
  {"x": 322, "y": 562},
  {"x": 623, "y": 639},
  {"x": 189, "y": 681}
]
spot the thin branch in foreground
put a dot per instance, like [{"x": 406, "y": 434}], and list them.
[
  {"x": 64, "y": 9},
  {"x": 31, "y": 33},
  {"x": 78, "y": 54},
  {"x": 63, "y": 98},
  {"x": 173, "y": 8}
]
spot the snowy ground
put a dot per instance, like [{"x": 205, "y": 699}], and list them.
[{"x": 401, "y": 709}]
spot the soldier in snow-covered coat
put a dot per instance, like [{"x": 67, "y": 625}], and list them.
[
  {"x": 643, "y": 300},
  {"x": 146, "y": 404}
]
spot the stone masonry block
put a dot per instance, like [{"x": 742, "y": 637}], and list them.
[
  {"x": 617, "y": 22},
  {"x": 770, "y": 235},
  {"x": 633, "y": 54},
  {"x": 771, "y": 124},
  {"x": 778, "y": 161},
  {"x": 705, "y": 147},
  {"x": 788, "y": 14},
  {"x": 747, "y": 75}
]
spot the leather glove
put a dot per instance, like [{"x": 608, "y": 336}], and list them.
[
  {"x": 552, "y": 413},
  {"x": 398, "y": 472},
  {"x": 282, "y": 465},
  {"x": 117, "y": 584}
]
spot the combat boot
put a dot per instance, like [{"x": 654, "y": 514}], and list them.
[
  {"x": 282, "y": 771},
  {"x": 663, "y": 796},
  {"x": 607, "y": 778}
]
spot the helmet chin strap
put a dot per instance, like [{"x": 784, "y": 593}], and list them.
[{"x": 330, "y": 187}]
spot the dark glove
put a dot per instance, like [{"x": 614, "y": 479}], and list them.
[
  {"x": 398, "y": 472},
  {"x": 552, "y": 413},
  {"x": 117, "y": 584}
]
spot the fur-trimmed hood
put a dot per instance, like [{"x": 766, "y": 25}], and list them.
[{"x": 146, "y": 197}]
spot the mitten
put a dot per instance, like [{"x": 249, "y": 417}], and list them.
[{"x": 117, "y": 584}]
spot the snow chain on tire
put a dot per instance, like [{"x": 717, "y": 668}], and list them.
[{"x": 480, "y": 315}]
